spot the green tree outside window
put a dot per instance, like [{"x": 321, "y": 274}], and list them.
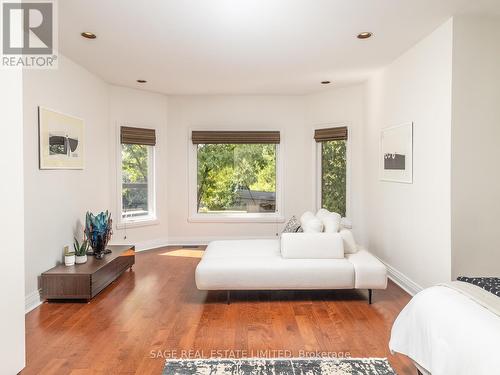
[
  {"x": 135, "y": 180},
  {"x": 333, "y": 176},
  {"x": 236, "y": 177}
]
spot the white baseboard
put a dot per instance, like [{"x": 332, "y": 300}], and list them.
[
  {"x": 144, "y": 245},
  {"x": 189, "y": 241},
  {"x": 149, "y": 245},
  {"x": 177, "y": 241},
  {"x": 407, "y": 284},
  {"x": 32, "y": 301}
]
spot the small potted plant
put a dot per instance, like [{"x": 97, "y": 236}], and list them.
[
  {"x": 69, "y": 256},
  {"x": 81, "y": 251}
]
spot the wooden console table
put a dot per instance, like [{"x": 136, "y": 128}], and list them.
[{"x": 85, "y": 281}]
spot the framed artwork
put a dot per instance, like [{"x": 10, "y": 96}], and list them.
[
  {"x": 61, "y": 140},
  {"x": 396, "y": 153}
]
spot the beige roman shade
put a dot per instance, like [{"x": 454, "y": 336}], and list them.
[
  {"x": 137, "y": 136},
  {"x": 331, "y": 134},
  {"x": 235, "y": 137}
]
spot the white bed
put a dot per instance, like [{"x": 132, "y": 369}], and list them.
[{"x": 447, "y": 331}]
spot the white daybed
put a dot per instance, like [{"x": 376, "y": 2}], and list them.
[{"x": 297, "y": 261}]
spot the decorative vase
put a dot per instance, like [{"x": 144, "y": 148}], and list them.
[
  {"x": 98, "y": 230},
  {"x": 69, "y": 260},
  {"x": 81, "y": 259}
]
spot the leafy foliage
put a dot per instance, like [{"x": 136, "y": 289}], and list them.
[
  {"x": 135, "y": 177},
  {"x": 333, "y": 181},
  {"x": 223, "y": 170},
  {"x": 80, "y": 248}
]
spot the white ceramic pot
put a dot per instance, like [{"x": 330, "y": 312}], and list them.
[
  {"x": 81, "y": 259},
  {"x": 69, "y": 260}
]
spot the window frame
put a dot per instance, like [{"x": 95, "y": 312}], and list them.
[
  {"x": 318, "y": 148},
  {"x": 195, "y": 217},
  {"x": 151, "y": 218}
]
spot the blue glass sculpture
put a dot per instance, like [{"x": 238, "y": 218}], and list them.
[{"x": 98, "y": 231}]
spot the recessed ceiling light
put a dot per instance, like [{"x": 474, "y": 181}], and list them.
[
  {"x": 365, "y": 35},
  {"x": 325, "y": 82},
  {"x": 141, "y": 81},
  {"x": 88, "y": 35}
]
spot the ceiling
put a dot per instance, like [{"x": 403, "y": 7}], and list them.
[{"x": 247, "y": 46}]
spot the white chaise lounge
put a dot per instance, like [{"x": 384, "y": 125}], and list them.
[{"x": 297, "y": 261}]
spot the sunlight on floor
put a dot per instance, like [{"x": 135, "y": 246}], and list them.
[{"x": 186, "y": 253}]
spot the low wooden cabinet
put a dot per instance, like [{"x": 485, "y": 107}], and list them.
[{"x": 85, "y": 281}]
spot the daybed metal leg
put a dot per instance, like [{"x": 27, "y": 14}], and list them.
[
  {"x": 228, "y": 299},
  {"x": 370, "y": 296}
]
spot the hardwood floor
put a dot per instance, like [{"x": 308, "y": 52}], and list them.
[{"x": 156, "y": 311}]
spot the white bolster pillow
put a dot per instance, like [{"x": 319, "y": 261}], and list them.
[{"x": 312, "y": 246}]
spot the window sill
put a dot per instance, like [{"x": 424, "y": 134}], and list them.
[
  {"x": 236, "y": 218},
  {"x": 143, "y": 222}
]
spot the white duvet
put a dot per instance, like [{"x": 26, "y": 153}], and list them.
[{"x": 448, "y": 333}]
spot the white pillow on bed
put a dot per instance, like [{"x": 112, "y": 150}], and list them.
[
  {"x": 350, "y": 246},
  {"x": 310, "y": 223},
  {"x": 331, "y": 220}
]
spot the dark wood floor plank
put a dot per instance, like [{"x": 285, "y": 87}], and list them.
[{"x": 156, "y": 309}]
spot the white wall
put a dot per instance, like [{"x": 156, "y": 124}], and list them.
[
  {"x": 12, "y": 357},
  {"x": 408, "y": 225},
  {"x": 130, "y": 107},
  {"x": 475, "y": 147},
  {"x": 56, "y": 200},
  {"x": 294, "y": 116}
]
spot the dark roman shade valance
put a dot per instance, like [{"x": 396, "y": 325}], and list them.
[
  {"x": 331, "y": 134},
  {"x": 137, "y": 136},
  {"x": 235, "y": 137}
]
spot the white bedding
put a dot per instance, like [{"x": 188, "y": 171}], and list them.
[{"x": 448, "y": 333}]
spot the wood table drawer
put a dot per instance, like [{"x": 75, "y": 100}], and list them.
[{"x": 66, "y": 286}]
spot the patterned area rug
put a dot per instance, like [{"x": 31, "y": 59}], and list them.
[{"x": 309, "y": 366}]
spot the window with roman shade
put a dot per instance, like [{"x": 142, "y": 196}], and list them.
[
  {"x": 332, "y": 160},
  {"x": 236, "y": 174},
  {"x": 137, "y": 174}
]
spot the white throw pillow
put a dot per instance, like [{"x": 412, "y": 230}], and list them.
[
  {"x": 331, "y": 223},
  {"x": 310, "y": 223},
  {"x": 322, "y": 212},
  {"x": 350, "y": 246},
  {"x": 331, "y": 220}
]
